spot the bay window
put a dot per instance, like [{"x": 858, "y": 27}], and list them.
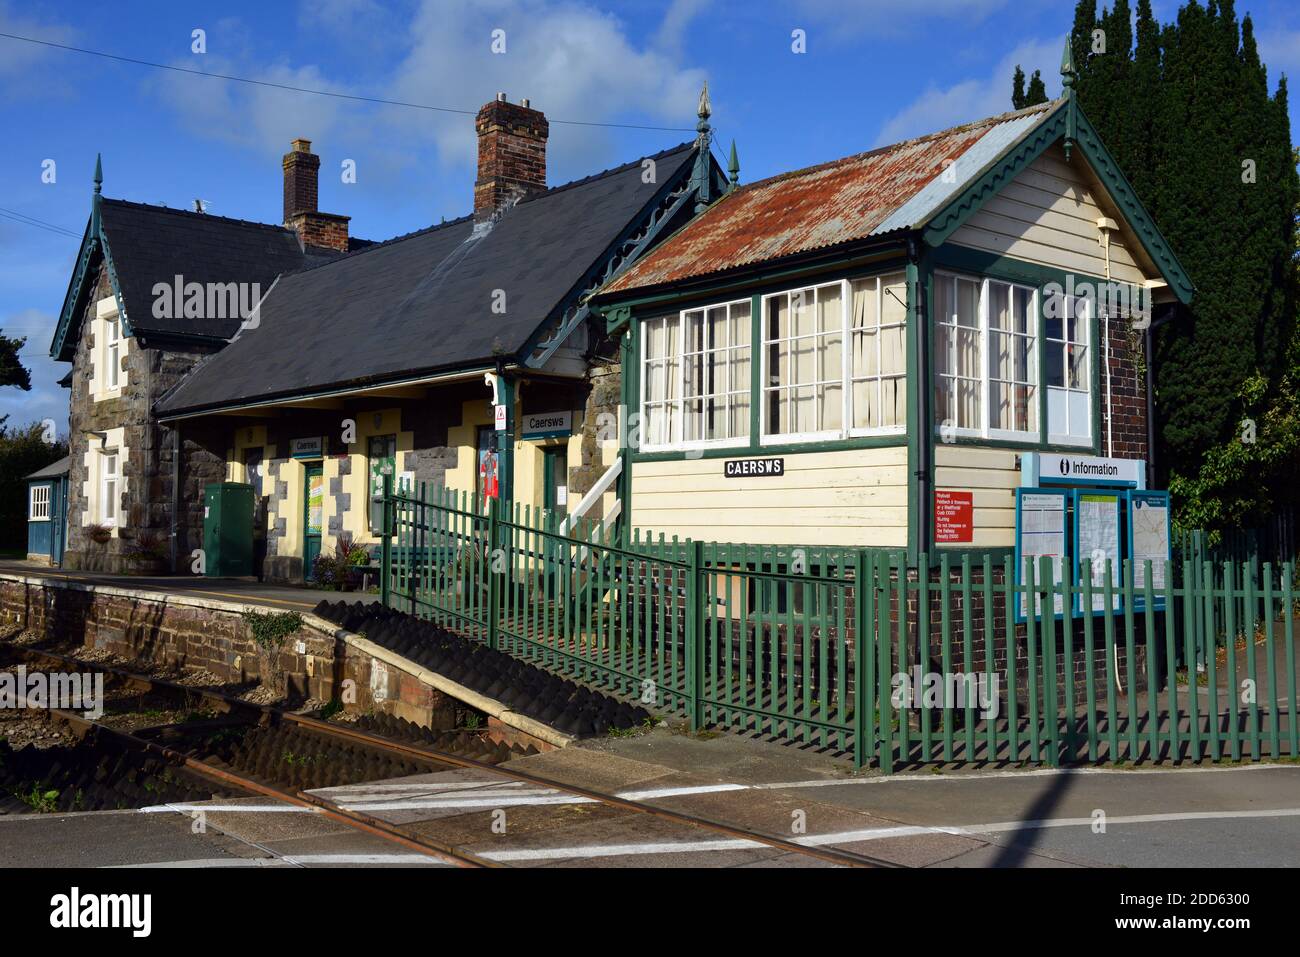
[
  {"x": 878, "y": 361},
  {"x": 986, "y": 358},
  {"x": 695, "y": 377},
  {"x": 803, "y": 341},
  {"x": 1065, "y": 363}
]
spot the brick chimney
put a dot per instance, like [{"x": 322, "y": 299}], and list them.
[
  {"x": 301, "y": 179},
  {"x": 511, "y": 154}
]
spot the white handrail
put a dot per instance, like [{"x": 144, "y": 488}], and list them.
[{"x": 600, "y": 488}]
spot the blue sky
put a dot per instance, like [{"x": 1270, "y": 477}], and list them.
[{"x": 874, "y": 71}]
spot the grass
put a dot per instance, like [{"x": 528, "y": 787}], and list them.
[{"x": 39, "y": 799}]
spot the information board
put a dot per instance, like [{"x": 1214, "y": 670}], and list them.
[
  {"x": 1040, "y": 523},
  {"x": 1148, "y": 539},
  {"x": 1097, "y": 541}
]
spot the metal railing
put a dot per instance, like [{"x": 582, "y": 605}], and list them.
[{"x": 1195, "y": 660}]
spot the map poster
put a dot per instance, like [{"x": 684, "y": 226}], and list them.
[
  {"x": 1148, "y": 530},
  {"x": 1096, "y": 541},
  {"x": 1040, "y": 533}
]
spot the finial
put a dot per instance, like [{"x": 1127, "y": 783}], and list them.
[
  {"x": 733, "y": 167},
  {"x": 705, "y": 110},
  {"x": 96, "y": 197},
  {"x": 1072, "y": 105},
  {"x": 1067, "y": 66},
  {"x": 99, "y": 173}
]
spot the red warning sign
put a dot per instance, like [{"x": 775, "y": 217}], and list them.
[{"x": 954, "y": 519}]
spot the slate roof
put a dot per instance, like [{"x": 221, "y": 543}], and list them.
[
  {"x": 871, "y": 194},
  {"x": 53, "y": 470},
  {"x": 152, "y": 244},
  {"x": 423, "y": 303}
]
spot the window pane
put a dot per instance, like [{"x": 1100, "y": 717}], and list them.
[
  {"x": 1023, "y": 312},
  {"x": 999, "y": 306},
  {"x": 893, "y": 299},
  {"x": 830, "y": 402},
  {"x": 866, "y": 352},
  {"x": 893, "y": 402},
  {"x": 864, "y": 304},
  {"x": 968, "y": 303},
  {"x": 968, "y": 351},
  {"x": 865, "y": 411},
  {"x": 830, "y": 317},
  {"x": 803, "y": 308},
  {"x": 1079, "y": 367},
  {"x": 893, "y": 350},
  {"x": 943, "y": 303},
  {"x": 740, "y": 322},
  {"x": 1054, "y": 363},
  {"x": 968, "y": 404}
]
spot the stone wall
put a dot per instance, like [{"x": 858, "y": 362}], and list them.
[
  {"x": 148, "y": 471},
  {"x": 192, "y": 633}
]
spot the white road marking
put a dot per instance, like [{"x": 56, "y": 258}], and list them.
[
  {"x": 299, "y": 860},
  {"x": 870, "y": 834}
]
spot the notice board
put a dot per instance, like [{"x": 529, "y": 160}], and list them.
[
  {"x": 1148, "y": 539},
  {"x": 1041, "y": 533},
  {"x": 954, "y": 517},
  {"x": 1097, "y": 541}
]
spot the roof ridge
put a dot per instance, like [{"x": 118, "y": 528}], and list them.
[
  {"x": 613, "y": 170},
  {"x": 937, "y": 134},
  {"x": 206, "y": 217},
  {"x": 378, "y": 244}
]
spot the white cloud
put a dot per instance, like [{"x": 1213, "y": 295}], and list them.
[
  {"x": 18, "y": 59},
  {"x": 572, "y": 61},
  {"x": 973, "y": 99}
]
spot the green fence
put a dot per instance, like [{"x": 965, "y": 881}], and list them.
[{"x": 1196, "y": 661}]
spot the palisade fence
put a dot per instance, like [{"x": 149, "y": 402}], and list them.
[{"x": 807, "y": 646}]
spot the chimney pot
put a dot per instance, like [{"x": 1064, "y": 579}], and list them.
[
  {"x": 511, "y": 154},
  {"x": 301, "y": 188}
]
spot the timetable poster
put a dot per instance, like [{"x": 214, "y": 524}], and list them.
[
  {"x": 1148, "y": 522},
  {"x": 1096, "y": 541},
  {"x": 1041, "y": 534}
]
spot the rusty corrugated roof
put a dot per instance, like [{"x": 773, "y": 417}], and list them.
[{"x": 873, "y": 193}]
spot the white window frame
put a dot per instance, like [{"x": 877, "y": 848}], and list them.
[
  {"x": 109, "y": 504},
  {"x": 676, "y": 407},
  {"x": 1090, "y": 351},
  {"x": 38, "y": 506},
  {"x": 880, "y": 376},
  {"x": 765, "y": 384},
  {"x": 112, "y": 354},
  {"x": 985, "y": 364}
]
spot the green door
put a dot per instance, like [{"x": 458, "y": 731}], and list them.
[
  {"x": 555, "y": 480},
  {"x": 555, "y": 502},
  {"x": 313, "y": 518}
]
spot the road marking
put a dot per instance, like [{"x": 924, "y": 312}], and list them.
[
  {"x": 870, "y": 834},
  {"x": 298, "y": 860}
]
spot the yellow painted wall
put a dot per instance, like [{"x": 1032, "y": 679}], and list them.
[
  {"x": 848, "y": 497},
  {"x": 1048, "y": 215},
  {"x": 992, "y": 476}
]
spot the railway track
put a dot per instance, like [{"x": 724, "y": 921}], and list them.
[{"x": 336, "y": 754}]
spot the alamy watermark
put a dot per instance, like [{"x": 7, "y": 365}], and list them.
[
  {"x": 67, "y": 691},
  {"x": 955, "y": 689}
]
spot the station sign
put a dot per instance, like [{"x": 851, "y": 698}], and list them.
[
  {"x": 309, "y": 448},
  {"x": 545, "y": 425},
  {"x": 753, "y": 468}
]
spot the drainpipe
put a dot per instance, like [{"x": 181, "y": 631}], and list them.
[
  {"x": 926, "y": 425},
  {"x": 176, "y": 489}
]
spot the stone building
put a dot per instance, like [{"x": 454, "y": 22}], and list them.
[{"x": 354, "y": 359}]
